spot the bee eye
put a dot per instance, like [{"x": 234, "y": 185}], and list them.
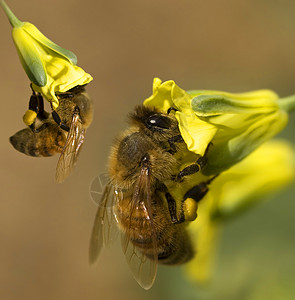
[{"x": 155, "y": 122}]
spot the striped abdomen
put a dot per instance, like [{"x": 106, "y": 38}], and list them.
[
  {"x": 47, "y": 142},
  {"x": 173, "y": 245}
]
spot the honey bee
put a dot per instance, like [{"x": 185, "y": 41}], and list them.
[
  {"x": 62, "y": 131},
  {"x": 137, "y": 201}
]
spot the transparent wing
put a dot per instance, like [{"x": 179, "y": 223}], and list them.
[
  {"x": 71, "y": 150},
  {"x": 105, "y": 226},
  {"x": 139, "y": 240}
]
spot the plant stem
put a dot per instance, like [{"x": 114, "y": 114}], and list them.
[
  {"x": 14, "y": 21},
  {"x": 287, "y": 103}
]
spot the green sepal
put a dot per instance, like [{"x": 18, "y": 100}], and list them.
[
  {"x": 29, "y": 56},
  {"x": 210, "y": 105}
]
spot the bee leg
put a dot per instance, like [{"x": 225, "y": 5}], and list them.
[
  {"x": 202, "y": 161},
  {"x": 172, "y": 209},
  {"x": 37, "y": 130},
  {"x": 199, "y": 191},
  {"x": 189, "y": 170},
  {"x": 196, "y": 193},
  {"x": 193, "y": 168},
  {"x": 189, "y": 203},
  {"x": 170, "y": 109},
  {"x": 33, "y": 128},
  {"x": 172, "y": 141},
  {"x": 57, "y": 119},
  {"x": 36, "y": 104}
]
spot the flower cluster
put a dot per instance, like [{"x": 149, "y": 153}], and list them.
[{"x": 237, "y": 128}]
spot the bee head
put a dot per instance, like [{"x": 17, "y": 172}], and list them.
[{"x": 153, "y": 120}]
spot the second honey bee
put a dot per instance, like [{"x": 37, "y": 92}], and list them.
[
  {"x": 136, "y": 200},
  {"x": 62, "y": 131}
]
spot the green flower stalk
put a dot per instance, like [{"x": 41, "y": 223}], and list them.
[
  {"x": 232, "y": 125},
  {"x": 50, "y": 68},
  {"x": 266, "y": 170},
  {"x": 288, "y": 103}
]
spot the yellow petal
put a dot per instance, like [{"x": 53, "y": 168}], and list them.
[
  {"x": 269, "y": 168},
  {"x": 161, "y": 97},
  {"x": 61, "y": 77},
  {"x": 196, "y": 133}
]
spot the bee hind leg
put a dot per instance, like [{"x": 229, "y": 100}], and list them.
[
  {"x": 198, "y": 192},
  {"x": 36, "y": 105},
  {"x": 188, "y": 203}
]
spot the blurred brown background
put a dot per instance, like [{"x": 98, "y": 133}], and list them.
[{"x": 45, "y": 227}]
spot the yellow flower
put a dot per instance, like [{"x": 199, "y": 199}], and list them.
[
  {"x": 267, "y": 169},
  {"x": 51, "y": 68},
  {"x": 235, "y": 124}
]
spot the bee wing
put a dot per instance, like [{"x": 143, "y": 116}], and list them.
[
  {"x": 71, "y": 150},
  {"x": 142, "y": 257},
  {"x": 104, "y": 227}
]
